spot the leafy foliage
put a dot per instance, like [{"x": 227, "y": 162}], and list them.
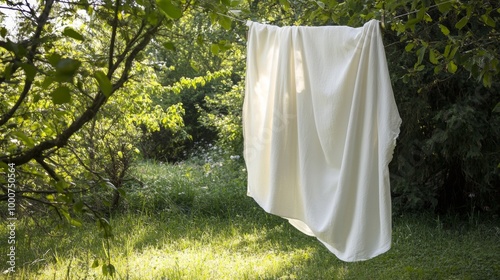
[
  {"x": 77, "y": 95},
  {"x": 443, "y": 59},
  {"x": 200, "y": 60}
]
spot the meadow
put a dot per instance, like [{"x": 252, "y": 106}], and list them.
[{"x": 193, "y": 220}]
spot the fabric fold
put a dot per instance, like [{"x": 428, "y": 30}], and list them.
[{"x": 320, "y": 125}]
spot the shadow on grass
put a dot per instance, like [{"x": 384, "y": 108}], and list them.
[{"x": 250, "y": 244}]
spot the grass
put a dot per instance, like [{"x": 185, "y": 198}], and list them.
[{"x": 194, "y": 221}]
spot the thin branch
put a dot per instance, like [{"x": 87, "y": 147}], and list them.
[
  {"x": 39, "y": 200},
  {"x": 113, "y": 38},
  {"x": 128, "y": 47},
  {"x": 47, "y": 168},
  {"x": 79, "y": 159},
  {"x": 416, "y": 11},
  {"x": 11, "y": 8},
  {"x": 130, "y": 59}
]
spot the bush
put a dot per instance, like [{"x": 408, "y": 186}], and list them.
[{"x": 210, "y": 183}]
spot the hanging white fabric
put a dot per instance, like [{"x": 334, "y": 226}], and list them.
[{"x": 320, "y": 125}]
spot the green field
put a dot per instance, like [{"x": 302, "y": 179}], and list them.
[{"x": 194, "y": 221}]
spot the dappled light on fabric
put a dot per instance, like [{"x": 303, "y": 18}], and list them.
[{"x": 320, "y": 124}]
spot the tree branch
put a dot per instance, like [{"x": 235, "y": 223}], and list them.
[
  {"x": 128, "y": 47},
  {"x": 41, "y": 21},
  {"x": 113, "y": 38},
  {"x": 47, "y": 168},
  {"x": 89, "y": 113}
]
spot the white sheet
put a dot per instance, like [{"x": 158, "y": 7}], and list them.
[{"x": 320, "y": 125}]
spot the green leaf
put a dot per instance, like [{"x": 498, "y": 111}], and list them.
[
  {"x": 66, "y": 68},
  {"x": 214, "y": 48},
  {"x": 444, "y": 29},
  {"x": 447, "y": 51},
  {"x": 53, "y": 59},
  {"x": 169, "y": 9},
  {"x": 213, "y": 17},
  {"x": 75, "y": 222},
  {"x": 487, "y": 80},
  {"x": 421, "y": 13},
  {"x": 453, "y": 52},
  {"x": 437, "y": 69},
  {"x": 7, "y": 72},
  {"x": 412, "y": 22},
  {"x": 452, "y": 67},
  {"x": 194, "y": 65},
  {"x": 24, "y": 138},
  {"x": 111, "y": 269},
  {"x": 409, "y": 47},
  {"x": 108, "y": 269},
  {"x": 61, "y": 186},
  {"x": 122, "y": 192},
  {"x": 433, "y": 56},
  {"x": 497, "y": 108},
  {"x": 462, "y": 22},
  {"x": 78, "y": 206},
  {"x": 104, "y": 83},
  {"x": 105, "y": 271},
  {"x": 3, "y": 31},
  {"x": 444, "y": 5},
  {"x": 152, "y": 18},
  {"x": 36, "y": 97},
  {"x": 200, "y": 40},
  {"x": 4, "y": 166},
  {"x": 224, "y": 46},
  {"x": 47, "y": 82},
  {"x": 285, "y": 5},
  {"x": 170, "y": 46},
  {"x": 488, "y": 20},
  {"x": 420, "y": 54},
  {"x": 61, "y": 95},
  {"x": 29, "y": 70},
  {"x": 95, "y": 263},
  {"x": 70, "y": 32},
  {"x": 225, "y": 22}
]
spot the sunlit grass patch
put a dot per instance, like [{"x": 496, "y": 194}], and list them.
[
  {"x": 178, "y": 248},
  {"x": 223, "y": 234},
  {"x": 258, "y": 246}
]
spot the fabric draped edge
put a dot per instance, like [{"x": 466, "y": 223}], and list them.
[{"x": 320, "y": 125}]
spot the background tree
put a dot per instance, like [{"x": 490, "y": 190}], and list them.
[
  {"x": 78, "y": 90},
  {"x": 443, "y": 58}
]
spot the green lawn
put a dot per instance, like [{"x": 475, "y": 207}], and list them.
[{"x": 202, "y": 226}]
